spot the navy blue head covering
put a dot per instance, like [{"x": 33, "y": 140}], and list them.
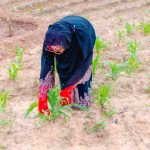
[
  {"x": 77, "y": 36},
  {"x": 58, "y": 35}
]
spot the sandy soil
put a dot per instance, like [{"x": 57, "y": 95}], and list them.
[{"x": 129, "y": 129}]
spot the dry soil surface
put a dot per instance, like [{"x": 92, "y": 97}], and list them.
[{"x": 25, "y": 23}]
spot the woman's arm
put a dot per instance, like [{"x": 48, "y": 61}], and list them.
[{"x": 47, "y": 79}]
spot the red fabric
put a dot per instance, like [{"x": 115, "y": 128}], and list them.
[
  {"x": 43, "y": 105},
  {"x": 53, "y": 48},
  {"x": 66, "y": 95}
]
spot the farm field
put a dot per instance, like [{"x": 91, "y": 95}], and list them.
[{"x": 124, "y": 25}]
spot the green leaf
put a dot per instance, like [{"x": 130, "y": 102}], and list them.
[
  {"x": 31, "y": 107},
  {"x": 5, "y": 122}
]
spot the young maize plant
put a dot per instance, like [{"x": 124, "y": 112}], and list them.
[
  {"x": 115, "y": 70},
  {"x": 129, "y": 28},
  {"x": 4, "y": 95},
  {"x": 132, "y": 47},
  {"x": 54, "y": 105},
  {"x": 102, "y": 98},
  {"x": 145, "y": 28},
  {"x": 100, "y": 44},
  {"x": 16, "y": 64},
  {"x": 103, "y": 94},
  {"x": 95, "y": 64},
  {"x": 19, "y": 53},
  {"x": 13, "y": 70},
  {"x": 131, "y": 64}
]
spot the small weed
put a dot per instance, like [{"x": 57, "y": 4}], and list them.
[
  {"x": 120, "y": 35},
  {"x": 145, "y": 27},
  {"x": 95, "y": 63},
  {"x": 109, "y": 113},
  {"x": 93, "y": 127},
  {"x": 129, "y": 28},
  {"x": 13, "y": 70},
  {"x": 99, "y": 126},
  {"x": 5, "y": 122}
]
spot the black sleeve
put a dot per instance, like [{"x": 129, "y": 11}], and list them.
[{"x": 47, "y": 74}]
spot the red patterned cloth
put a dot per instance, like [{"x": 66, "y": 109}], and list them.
[
  {"x": 66, "y": 95},
  {"x": 53, "y": 48},
  {"x": 44, "y": 86}
]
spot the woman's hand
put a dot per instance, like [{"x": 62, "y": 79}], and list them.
[
  {"x": 66, "y": 95},
  {"x": 43, "y": 105}
]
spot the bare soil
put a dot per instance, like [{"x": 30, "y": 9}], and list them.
[{"x": 24, "y": 23}]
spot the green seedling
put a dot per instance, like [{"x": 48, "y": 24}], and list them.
[
  {"x": 131, "y": 64},
  {"x": 109, "y": 113},
  {"x": 31, "y": 108},
  {"x": 145, "y": 27},
  {"x": 132, "y": 47},
  {"x": 54, "y": 106},
  {"x": 92, "y": 126},
  {"x": 99, "y": 126},
  {"x": 115, "y": 70},
  {"x": 100, "y": 44},
  {"x": 103, "y": 95},
  {"x": 129, "y": 28},
  {"x": 5, "y": 122},
  {"x": 4, "y": 95},
  {"x": 13, "y": 70},
  {"x": 19, "y": 53},
  {"x": 54, "y": 103},
  {"x": 120, "y": 35},
  {"x": 95, "y": 63}
]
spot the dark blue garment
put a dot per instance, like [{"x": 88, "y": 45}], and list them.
[{"x": 77, "y": 36}]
